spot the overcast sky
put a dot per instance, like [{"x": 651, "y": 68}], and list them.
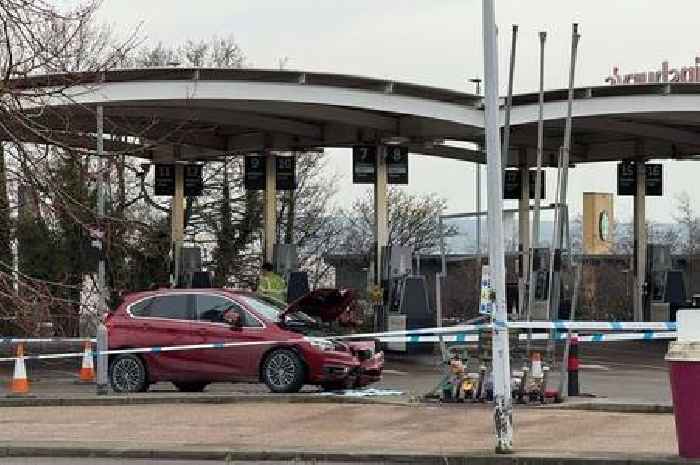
[{"x": 438, "y": 43}]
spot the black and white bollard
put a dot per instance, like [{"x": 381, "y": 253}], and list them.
[{"x": 102, "y": 360}]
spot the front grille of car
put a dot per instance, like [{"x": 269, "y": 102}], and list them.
[{"x": 364, "y": 354}]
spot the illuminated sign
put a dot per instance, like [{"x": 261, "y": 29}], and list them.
[{"x": 665, "y": 74}]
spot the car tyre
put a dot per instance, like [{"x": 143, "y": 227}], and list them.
[
  {"x": 127, "y": 373},
  {"x": 283, "y": 371},
  {"x": 191, "y": 387}
]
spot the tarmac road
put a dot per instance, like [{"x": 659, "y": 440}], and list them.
[
  {"x": 618, "y": 371},
  {"x": 97, "y": 461}
]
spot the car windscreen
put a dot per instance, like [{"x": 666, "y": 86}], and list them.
[{"x": 271, "y": 309}]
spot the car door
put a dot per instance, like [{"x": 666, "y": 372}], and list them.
[
  {"x": 228, "y": 363},
  {"x": 167, "y": 320}
]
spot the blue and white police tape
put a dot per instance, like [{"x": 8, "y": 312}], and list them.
[
  {"x": 603, "y": 337},
  {"x": 447, "y": 334},
  {"x": 431, "y": 338},
  {"x": 410, "y": 332},
  {"x": 564, "y": 325},
  {"x": 599, "y": 337},
  {"x": 152, "y": 350},
  {"x": 557, "y": 325}
]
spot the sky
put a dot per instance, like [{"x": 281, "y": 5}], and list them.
[{"x": 438, "y": 43}]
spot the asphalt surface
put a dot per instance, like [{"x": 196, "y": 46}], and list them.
[
  {"x": 619, "y": 371},
  {"x": 334, "y": 428},
  {"x": 98, "y": 461}
]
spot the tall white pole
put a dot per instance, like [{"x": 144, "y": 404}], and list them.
[{"x": 501, "y": 353}]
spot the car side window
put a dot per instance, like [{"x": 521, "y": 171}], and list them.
[
  {"x": 174, "y": 307},
  {"x": 212, "y": 308}
]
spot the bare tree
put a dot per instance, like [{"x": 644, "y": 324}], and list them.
[
  {"x": 413, "y": 221},
  {"x": 308, "y": 217},
  {"x": 41, "y": 47}
]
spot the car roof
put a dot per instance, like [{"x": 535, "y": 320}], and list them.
[{"x": 169, "y": 291}]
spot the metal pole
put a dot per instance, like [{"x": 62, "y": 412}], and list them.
[
  {"x": 640, "y": 236},
  {"x": 438, "y": 288},
  {"x": 553, "y": 245},
  {"x": 538, "y": 189},
  {"x": 562, "y": 210},
  {"x": 563, "y": 384},
  {"x": 565, "y": 152},
  {"x": 443, "y": 260},
  {"x": 523, "y": 232},
  {"x": 509, "y": 101},
  {"x": 438, "y": 313},
  {"x": 503, "y": 414},
  {"x": 101, "y": 330},
  {"x": 477, "y": 167}
]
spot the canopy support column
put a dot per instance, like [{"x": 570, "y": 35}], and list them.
[
  {"x": 270, "y": 208},
  {"x": 381, "y": 234},
  {"x": 640, "y": 241},
  {"x": 177, "y": 221}
]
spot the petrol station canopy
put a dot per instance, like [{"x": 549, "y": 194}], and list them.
[{"x": 212, "y": 112}]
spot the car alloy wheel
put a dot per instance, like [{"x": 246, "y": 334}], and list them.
[
  {"x": 283, "y": 371},
  {"x": 128, "y": 374}
]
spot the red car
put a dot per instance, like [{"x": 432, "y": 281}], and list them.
[{"x": 289, "y": 349}]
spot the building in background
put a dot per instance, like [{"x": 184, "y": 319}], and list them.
[{"x": 598, "y": 223}]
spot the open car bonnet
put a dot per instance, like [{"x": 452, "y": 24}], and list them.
[{"x": 325, "y": 304}]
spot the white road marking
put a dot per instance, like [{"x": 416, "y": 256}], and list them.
[
  {"x": 594, "y": 367},
  {"x": 395, "y": 372}
]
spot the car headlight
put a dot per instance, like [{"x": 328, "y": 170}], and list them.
[{"x": 321, "y": 344}]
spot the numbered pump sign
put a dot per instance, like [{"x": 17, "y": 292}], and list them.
[
  {"x": 286, "y": 179},
  {"x": 364, "y": 164},
  {"x": 627, "y": 179},
  {"x": 255, "y": 172},
  {"x": 513, "y": 184},
  {"x": 164, "y": 180},
  {"x": 194, "y": 185},
  {"x": 397, "y": 164}
]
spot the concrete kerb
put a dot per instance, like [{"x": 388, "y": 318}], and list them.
[
  {"x": 156, "y": 399},
  {"x": 614, "y": 407},
  {"x": 135, "y": 451},
  {"x": 145, "y": 399}
]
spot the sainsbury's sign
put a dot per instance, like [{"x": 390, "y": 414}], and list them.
[{"x": 665, "y": 74}]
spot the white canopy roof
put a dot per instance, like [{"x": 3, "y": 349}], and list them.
[{"x": 209, "y": 112}]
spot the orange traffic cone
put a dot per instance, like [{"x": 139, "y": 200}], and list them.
[
  {"x": 87, "y": 371},
  {"x": 20, "y": 384}
]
